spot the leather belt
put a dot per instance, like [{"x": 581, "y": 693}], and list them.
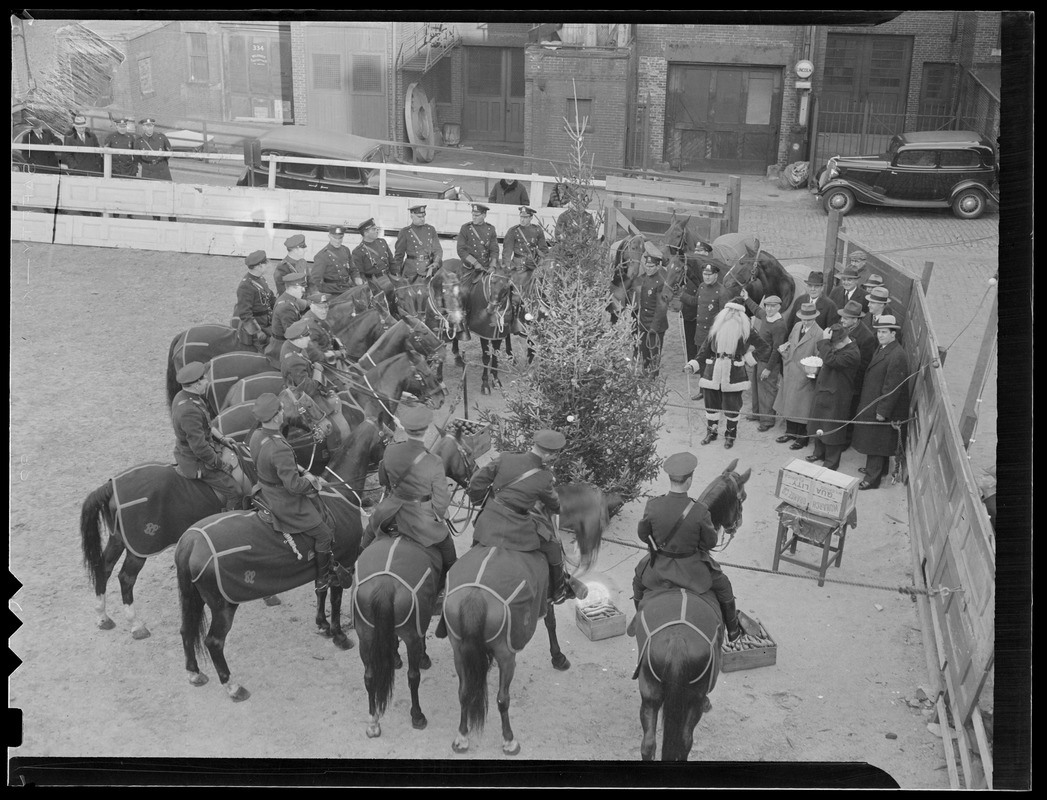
[
  {"x": 670, "y": 554},
  {"x": 505, "y": 505},
  {"x": 423, "y": 499}
]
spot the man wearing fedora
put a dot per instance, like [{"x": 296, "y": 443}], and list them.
[
  {"x": 796, "y": 390},
  {"x": 43, "y": 161},
  {"x": 833, "y": 390},
  {"x": 766, "y": 373},
  {"x": 76, "y": 162},
  {"x": 870, "y": 283},
  {"x": 851, "y": 316},
  {"x": 885, "y": 399},
  {"x": 294, "y": 261},
  {"x": 815, "y": 294},
  {"x": 254, "y": 303},
  {"x": 879, "y": 299},
  {"x": 847, "y": 288}
]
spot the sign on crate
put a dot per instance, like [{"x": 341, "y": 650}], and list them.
[{"x": 817, "y": 490}]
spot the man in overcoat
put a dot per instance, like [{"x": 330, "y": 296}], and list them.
[
  {"x": 700, "y": 306},
  {"x": 254, "y": 303},
  {"x": 833, "y": 391},
  {"x": 74, "y": 161},
  {"x": 418, "y": 252},
  {"x": 679, "y": 535},
  {"x": 153, "y": 145},
  {"x": 289, "y": 492},
  {"x": 769, "y": 323},
  {"x": 879, "y": 303},
  {"x": 650, "y": 300},
  {"x": 509, "y": 191},
  {"x": 815, "y": 295},
  {"x": 796, "y": 391},
  {"x": 331, "y": 273},
  {"x": 885, "y": 398},
  {"x": 123, "y": 139},
  {"x": 851, "y": 318},
  {"x": 43, "y": 161}
]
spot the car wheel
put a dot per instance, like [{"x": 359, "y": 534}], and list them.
[
  {"x": 969, "y": 204},
  {"x": 839, "y": 199}
]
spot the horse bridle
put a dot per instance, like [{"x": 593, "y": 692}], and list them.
[
  {"x": 732, "y": 529},
  {"x": 498, "y": 314}
]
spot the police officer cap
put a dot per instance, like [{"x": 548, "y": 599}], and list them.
[
  {"x": 419, "y": 209},
  {"x": 291, "y": 242},
  {"x": 336, "y": 230},
  {"x": 479, "y": 208},
  {"x": 319, "y": 298},
  {"x": 550, "y": 440},
  {"x": 653, "y": 252},
  {"x": 190, "y": 373},
  {"x": 366, "y": 224},
  {"x": 147, "y": 121},
  {"x": 711, "y": 268},
  {"x": 415, "y": 418},
  {"x": 297, "y": 330},
  {"x": 294, "y": 277},
  {"x": 527, "y": 210},
  {"x": 266, "y": 407},
  {"x": 680, "y": 465},
  {"x": 256, "y": 258}
]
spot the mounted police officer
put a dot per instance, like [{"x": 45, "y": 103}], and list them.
[
  {"x": 287, "y": 491},
  {"x": 254, "y": 303},
  {"x": 679, "y": 534},
  {"x": 515, "y": 489},
  {"x": 373, "y": 261},
  {"x": 198, "y": 456},
  {"x": 304, "y": 375},
  {"x": 417, "y": 497},
  {"x": 288, "y": 310},
  {"x": 330, "y": 272},
  {"x": 154, "y": 164},
  {"x": 324, "y": 343},
  {"x": 418, "y": 251},
  {"x": 477, "y": 248},
  {"x": 522, "y": 251},
  {"x": 294, "y": 261}
]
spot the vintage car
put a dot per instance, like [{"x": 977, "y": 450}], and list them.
[
  {"x": 928, "y": 169},
  {"x": 302, "y": 142}
]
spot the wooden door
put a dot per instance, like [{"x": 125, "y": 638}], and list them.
[
  {"x": 494, "y": 95},
  {"x": 345, "y": 81}
]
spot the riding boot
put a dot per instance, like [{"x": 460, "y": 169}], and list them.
[
  {"x": 324, "y": 570},
  {"x": 730, "y": 434},
  {"x": 711, "y": 433},
  {"x": 730, "y": 617},
  {"x": 558, "y": 588}
]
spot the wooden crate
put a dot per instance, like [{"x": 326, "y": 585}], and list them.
[
  {"x": 477, "y": 438},
  {"x": 603, "y": 628},
  {"x": 816, "y": 489},
  {"x": 736, "y": 660}
]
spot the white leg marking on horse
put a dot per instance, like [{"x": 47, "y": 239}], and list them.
[
  {"x": 104, "y": 623},
  {"x": 460, "y": 744}
]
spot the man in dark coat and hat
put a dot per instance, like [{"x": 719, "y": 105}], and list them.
[
  {"x": 254, "y": 303},
  {"x": 851, "y": 318},
  {"x": 833, "y": 390},
  {"x": 815, "y": 294},
  {"x": 650, "y": 300}
]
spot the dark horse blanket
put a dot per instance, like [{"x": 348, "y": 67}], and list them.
[
  {"x": 154, "y": 506},
  {"x": 249, "y": 560},
  {"x": 416, "y": 567},
  {"x": 519, "y": 582},
  {"x": 664, "y": 609}
]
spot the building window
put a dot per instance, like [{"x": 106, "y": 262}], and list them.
[
  {"x": 145, "y": 75},
  {"x": 367, "y": 74},
  {"x": 580, "y": 112},
  {"x": 199, "y": 67},
  {"x": 327, "y": 72}
]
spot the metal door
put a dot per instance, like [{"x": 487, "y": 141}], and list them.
[{"x": 494, "y": 95}]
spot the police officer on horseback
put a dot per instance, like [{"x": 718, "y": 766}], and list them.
[
  {"x": 373, "y": 260},
  {"x": 522, "y": 251},
  {"x": 303, "y": 374},
  {"x": 417, "y": 497},
  {"x": 331, "y": 272},
  {"x": 198, "y": 455},
  {"x": 325, "y": 344},
  {"x": 477, "y": 247},
  {"x": 254, "y": 303},
  {"x": 679, "y": 535},
  {"x": 288, "y": 491},
  {"x": 288, "y": 310},
  {"x": 418, "y": 252}
]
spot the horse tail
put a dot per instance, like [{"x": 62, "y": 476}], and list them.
[
  {"x": 679, "y": 666},
  {"x": 189, "y": 598},
  {"x": 173, "y": 387},
  {"x": 472, "y": 618},
  {"x": 96, "y": 505},
  {"x": 383, "y": 652}
]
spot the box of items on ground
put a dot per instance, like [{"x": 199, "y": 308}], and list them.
[
  {"x": 818, "y": 490},
  {"x": 600, "y": 620},
  {"x": 752, "y": 650},
  {"x": 476, "y": 436}
]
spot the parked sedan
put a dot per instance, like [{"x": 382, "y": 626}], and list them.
[
  {"x": 302, "y": 142},
  {"x": 928, "y": 169}
]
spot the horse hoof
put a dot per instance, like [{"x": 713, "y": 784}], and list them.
[
  {"x": 485, "y": 388},
  {"x": 398, "y": 663},
  {"x": 511, "y": 748},
  {"x": 197, "y": 678},
  {"x": 560, "y": 662},
  {"x": 374, "y": 731},
  {"x": 343, "y": 642},
  {"x": 460, "y": 745},
  {"x": 239, "y": 695},
  {"x": 273, "y": 600},
  {"x": 106, "y": 624},
  {"x": 140, "y": 633},
  {"x": 324, "y": 630},
  {"x": 425, "y": 662},
  {"x": 419, "y": 723}
]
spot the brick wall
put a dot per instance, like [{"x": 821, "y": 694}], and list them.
[
  {"x": 299, "y": 67},
  {"x": 167, "y": 51},
  {"x": 551, "y": 79}
]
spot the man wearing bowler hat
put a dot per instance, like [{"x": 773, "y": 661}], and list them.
[
  {"x": 518, "y": 494},
  {"x": 679, "y": 534},
  {"x": 288, "y": 310},
  {"x": 418, "y": 252},
  {"x": 331, "y": 272},
  {"x": 123, "y": 138},
  {"x": 288, "y": 491},
  {"x": 816, "y": 295},
  {"x": 373, "y": 260},
  {"x": 77, "y": 162},
  {"x": 154, "y": 146},
  {"x": 254, "y": 303},
  {"x": 885, "y": 399},
  {"x": 294, "y": 261},
  {"x": 198, "y": 455},
  {"x": 796, "y": 390}
]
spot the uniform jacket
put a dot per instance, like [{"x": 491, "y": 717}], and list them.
[
  {"x": 371, "y": 259},
  {"x": 477, "y": 245},
  {"x": 774, "y": 334},
  {"x": 887, "y": 375},
  {"x": 707, "y": 301},
  {"x": 42, "y": 161},
  {"x": 651, "y": 300},
  {"x": 285, "y": 267},
  {"x": 123, "y": 166},
  {"x": 418, "y": 496},
  {"x": 726, "y": 372},
  {"x": 297, "y": 370},
  {"x": 693, "y": 565},
  {"x": 330, "y": 272},
  {"x": 506, "y": 520},
  {"x": 827, "y": 311},
  {"x": 321, "y": 336},
  {"x": 523, "y": 247},
  {"x": 796, "y": 390},
  {"x": 254, "y": 300},
  {"x": 283, "y": 489},
  {"x": 82, "y": 163},
  {"x": 154, "y": 167},
  {"x": 569, "y": 226},
  {"x": 195, "y": 446},
  {"x": 417, "y": 248},
  {"x": 834, "y": 390},
  {"x": 286, "y": 312},
  {"x": 513, "y": 194}
]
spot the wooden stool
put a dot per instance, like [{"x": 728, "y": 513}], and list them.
[{"x": 814, "y": 530}]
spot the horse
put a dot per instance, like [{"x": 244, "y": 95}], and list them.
[
  {"x": 679, "y": 637},
  {"x": 377, "y": 392},
  {"x": 358, "y": 319},
  {"x": 493, "y": 601},
  {"x": 488, "y": 314},
  {"x": 199, "y": 343}
]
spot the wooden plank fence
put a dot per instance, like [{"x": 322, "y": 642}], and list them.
[{"x": 647, "y": 206}]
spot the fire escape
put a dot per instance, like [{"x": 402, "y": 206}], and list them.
[{"x": 426, "y": 44}]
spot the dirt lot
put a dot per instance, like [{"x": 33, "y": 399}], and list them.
[{"x": 88, "y": 406}]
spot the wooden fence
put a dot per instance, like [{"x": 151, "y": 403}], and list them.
[{"x": 712, "y": 202}]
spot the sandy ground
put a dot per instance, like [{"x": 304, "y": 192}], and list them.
[{"x": 91, "y": 330}]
